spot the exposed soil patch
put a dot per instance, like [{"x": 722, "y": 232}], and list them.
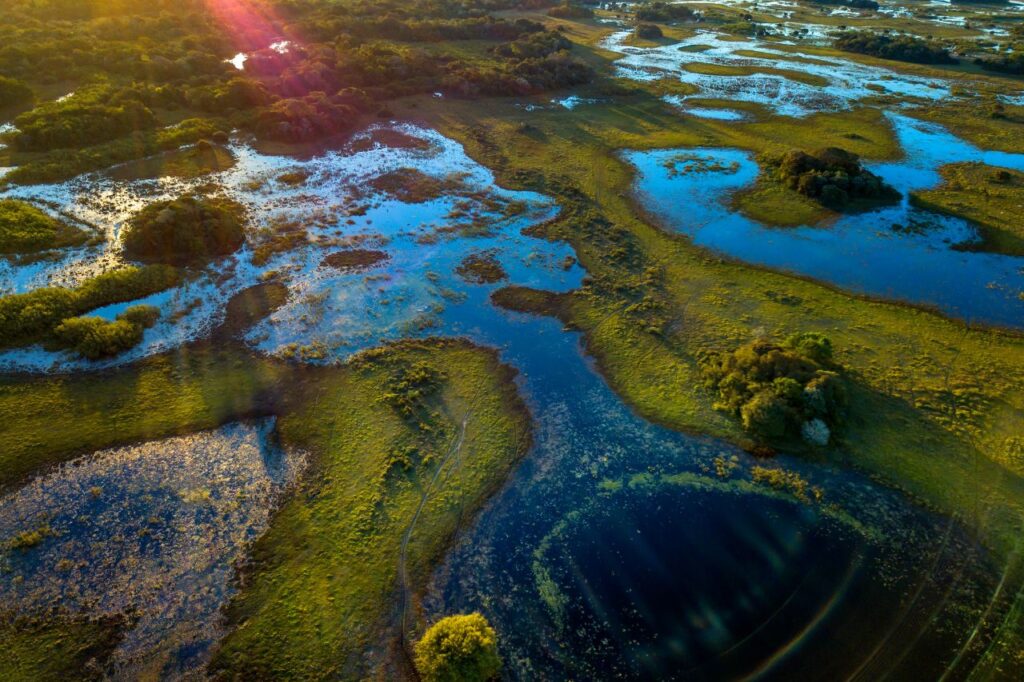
[
  {"x": 354, "y": 259},
  {"x": 413, "y": 187},
  {"x": 481, "y": 268}
]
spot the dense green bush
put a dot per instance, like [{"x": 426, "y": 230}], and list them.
[
  {"x": 662, "y": 12},
  {"x": 904, "y": 48},
  {"x": 94, "y": 338},
  {"x": 26, "y": 229},
  {"x": 187, "y": 230},
  {"x": 833, "y": 176},
  {"x": 71, "y": 162},
  {"x": 855, "y": 4},
  {"x": 92, "y": 116},
  {"x": 306, "y": 118},
  {"x": 13, "y": 92},
  {"x": 570, "y": 11},
  {"x": 144, "y": 316},
  {"x": 32, "y": 316},
  {"x": 1006, "y": 62},
  {"x": 649, "y": 32},
  {"x": 780, "y": 391},
  {"x": 458, "y": 649}
]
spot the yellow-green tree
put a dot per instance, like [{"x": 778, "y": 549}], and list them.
[{"x": 458, "y": 649}]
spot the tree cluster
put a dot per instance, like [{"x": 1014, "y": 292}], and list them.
[
  {"x": 663, "y": 12},
  {"x": 903, "y": 48},
  {"x": 185, "y": 231},
  {"x": 780, "y": 392},
  {"x": 853, "y": 4},
  {"x": 832, "y": 176}
]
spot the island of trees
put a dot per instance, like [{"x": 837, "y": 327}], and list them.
[
  {"x": 902, "y": 48},
  {"x": 832, "y": 176}
]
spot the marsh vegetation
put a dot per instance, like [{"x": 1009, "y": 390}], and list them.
[{"x": 299, "y": 303}]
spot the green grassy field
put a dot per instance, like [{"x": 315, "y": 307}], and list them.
[
  {"x": 993, "y": 198},
  {"x": 320, "y": 595},
  {"x": 58, "y": 650}
]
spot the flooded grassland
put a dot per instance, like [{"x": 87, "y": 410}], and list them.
[{"x": 267, "y": 493}]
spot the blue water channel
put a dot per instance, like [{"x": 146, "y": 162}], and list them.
[{"x": 896, "y": 252}]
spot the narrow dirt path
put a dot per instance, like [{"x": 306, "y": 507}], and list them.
[{"x": 403, "y": 571}]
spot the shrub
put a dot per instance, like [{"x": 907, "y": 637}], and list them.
[
  {"x": 648, "y": 32},
  {"x": 26, "y": 229},
  {"x": 780, "y": 391},
  {"x": 13, "y": 92},
  {"x": 663, "y": 11},
  {"x": 458, "y": 649},
  {"x": 90, "y": 117},
  {"x": 95, "y": 338},
  {"x": 903, "y": 48},
  {"x": 143, "y": 316},
  {"x": 569, "y": 11},
  {"x": 188, "y": 230},
  {"x": 32, "y": 316}
]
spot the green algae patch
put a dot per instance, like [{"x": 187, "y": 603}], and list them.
[
  {"x": 406, "y": 442},
  {"x": 26, "y": 229},
  {"x": 62, "y": 649},
  {"x": 991, "y": 198}
]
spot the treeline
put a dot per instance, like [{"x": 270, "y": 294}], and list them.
[
  {"x": 903, "y": 48},
  {"x": 852, "y": 4},
  {"x": 1009, "y": 62},
  {"x": 145, "y": 60},
  {"x": 663, "y": 12}
]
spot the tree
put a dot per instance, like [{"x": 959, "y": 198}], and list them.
[{"x": 460, "y": 648}]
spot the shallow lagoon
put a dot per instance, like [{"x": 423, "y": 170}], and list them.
[
  {"x": 338, "y": 208},
  {"x": 150, "y": 530},
  {"x": 690, "y": 190}
]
